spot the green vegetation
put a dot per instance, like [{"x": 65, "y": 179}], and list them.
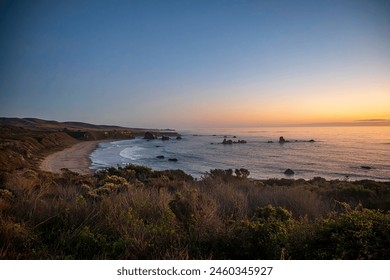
[{"x": 137, "y": 213}]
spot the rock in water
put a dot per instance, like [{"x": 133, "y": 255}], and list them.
[
  {"x": 173, "y": 159},
  {"x": 282, "y": 140},
  {"x": 289, "y": 172},
  {"x": 160, "y": 157},
  {"x": 165, "y": 138},
  {"x": 229, "y": 142},
  {"x": 149, "y": 136},
  {"x": 366, "y": 167}
]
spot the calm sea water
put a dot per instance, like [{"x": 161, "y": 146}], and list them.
[{"x": 337, "y": 152}]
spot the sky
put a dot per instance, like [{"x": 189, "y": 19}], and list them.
[{"x": 187, "y": 64}]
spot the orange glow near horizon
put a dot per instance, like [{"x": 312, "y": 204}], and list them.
[{"x": 326, "y": 106}]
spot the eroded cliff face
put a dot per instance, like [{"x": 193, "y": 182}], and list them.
[
  {"x": 24, "y": 148},
  {"x": 25, "y": 142}
]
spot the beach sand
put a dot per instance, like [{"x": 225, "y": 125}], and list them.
[{"x": 75, "y": 158}]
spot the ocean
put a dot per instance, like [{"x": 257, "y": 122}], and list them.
[{"x": 345, "y": 153}]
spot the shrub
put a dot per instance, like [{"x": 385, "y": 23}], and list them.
[
  {"x": 224, "y": 175},
  {"x": 262, "y": 237},
  {"x": 15, "y": 239},
  {"x": 136, "y": 213},
  {"x": 242, "y": 173},
  {"x": 86, "y": 245},
  {"x": 357, "y": 234}
]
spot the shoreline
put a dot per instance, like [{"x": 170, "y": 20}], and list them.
[{"x": 75, "y": 158}]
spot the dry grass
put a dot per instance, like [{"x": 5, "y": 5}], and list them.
[{"x": 137, "y": 213}]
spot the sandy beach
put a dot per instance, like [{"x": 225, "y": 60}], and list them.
[{"x": 75, "y": 158}]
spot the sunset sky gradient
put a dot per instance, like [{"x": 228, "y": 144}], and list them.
[{"x": 186, "y": 64}]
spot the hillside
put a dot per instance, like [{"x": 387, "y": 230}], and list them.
[
  {"x": 25, "y": 142},
  {"x": 47, "y": 125}
]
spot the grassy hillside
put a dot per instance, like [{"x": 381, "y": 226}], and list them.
[
  {"x": 47, "y": 125},
  {"x": 137, "y": 213}
]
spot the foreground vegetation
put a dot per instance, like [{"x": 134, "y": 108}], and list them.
[{"x": 137, "y": 213}]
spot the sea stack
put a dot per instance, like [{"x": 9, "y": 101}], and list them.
[
  {"x": 229, "y": 142},
  {"x": 149, "y": 136},
  {"x": 289, "y": 172},
  {"x": 366, "y": 167}
]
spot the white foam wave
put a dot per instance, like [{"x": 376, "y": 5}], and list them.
[{"x": 132, "y": 153}]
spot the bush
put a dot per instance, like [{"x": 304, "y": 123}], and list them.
[
  {"x": 357, "y": 234},
  {"x": 263, "y": 237},
  {"x": 136, "y": 213}
]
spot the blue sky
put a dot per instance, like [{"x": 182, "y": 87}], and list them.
[{"x": 195, "y": 63}]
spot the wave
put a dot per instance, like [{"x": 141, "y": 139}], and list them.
[
  {"x": 99, "y": 162},
  {"x": 132, "y": 153}
]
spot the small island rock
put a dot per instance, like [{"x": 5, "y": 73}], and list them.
[
  {"x": 282, "y": 140},
  {"x": 289, "y": 172},
  {"x": 229, "y": 142},
  {"x": 149, "y": 136},
  {"x": 366, "y": 167}
]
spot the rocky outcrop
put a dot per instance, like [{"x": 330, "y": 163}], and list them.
[
  {"x": 366, "y": 167},
  {"x": 178, "y": 137},
  {"x": 149, "y": 136},
  {"x": 289, "y": 172},
  {"x": 282, "y": 140},
  {"x": 165, "y": 138},
  {"x": 230, "y": 142},
  {"x": 227, "y": 142}
]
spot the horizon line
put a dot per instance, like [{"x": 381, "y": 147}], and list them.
[{"x": 362, "y": 122}]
